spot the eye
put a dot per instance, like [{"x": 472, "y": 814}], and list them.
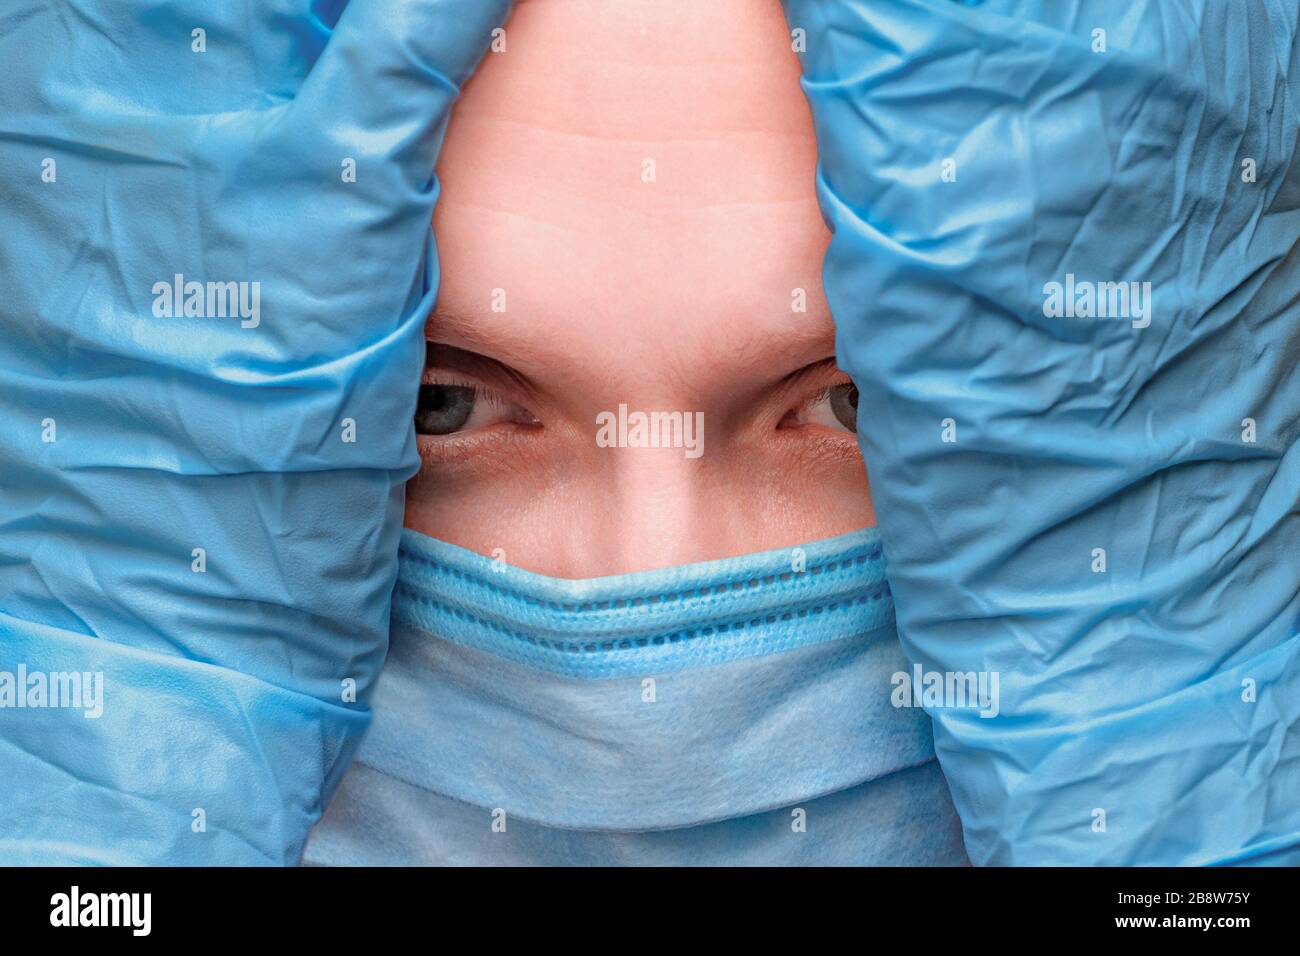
[
  {"x": 835, "y": 408},
  {"x": 843, "y": 400},
  {"x": 445, "y": 408}
]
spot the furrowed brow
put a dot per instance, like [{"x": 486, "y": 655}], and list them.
[
  {"x": 455, "y": 328},
  {"x": 490, "y": 337}
]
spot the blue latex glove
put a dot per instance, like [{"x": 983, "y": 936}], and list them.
[
  {"x": 1102, "y": 511},
  {"x": 275, "y": 440}
]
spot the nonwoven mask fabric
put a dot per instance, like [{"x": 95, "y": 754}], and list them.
[
  {"x": 1066, "y": 282},
  {"x": 217, "y": 264},
  {"x": 731, "y": 712}
]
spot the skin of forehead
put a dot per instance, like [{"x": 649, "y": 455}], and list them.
[{"x": 660, "y": 288}]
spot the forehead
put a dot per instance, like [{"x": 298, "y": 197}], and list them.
[{"x": 645, "y": 168}]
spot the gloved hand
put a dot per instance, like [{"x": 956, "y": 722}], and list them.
[
  {"x": 1090, "y": 491},
  {"x": 218, "y": 263}
]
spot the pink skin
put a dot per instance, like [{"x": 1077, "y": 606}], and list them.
[{"x": 672, "y": 295}]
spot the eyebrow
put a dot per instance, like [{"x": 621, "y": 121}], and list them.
[
  {"x": 443, "y": 324},
  {"x": 792, "y": 343},
  {"x": 483, "y": 336},
  {"x": 763, "y": 348}
]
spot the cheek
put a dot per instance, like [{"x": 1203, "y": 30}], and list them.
[
  {"x": 541, "y": 517},
  {"x": 580, "y": 514},
  {"x": 798, "y": 494}
]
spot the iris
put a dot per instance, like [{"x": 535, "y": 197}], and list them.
[{"x": 443, "y": 409}]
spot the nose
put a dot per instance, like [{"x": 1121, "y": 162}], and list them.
[{"x": 660, "y": 507}]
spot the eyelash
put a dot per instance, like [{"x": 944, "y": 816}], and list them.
[
  {"x": 820, "y": 396},
  {"x": 823, "y": 396},
  {"x": 497, "y": 402},
  {"x": 481, "y": 392}
]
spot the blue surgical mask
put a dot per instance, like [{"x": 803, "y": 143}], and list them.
[{"x": 728, "y": 712}]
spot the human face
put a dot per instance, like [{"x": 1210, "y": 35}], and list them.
[{"x": 627, "y": 212}]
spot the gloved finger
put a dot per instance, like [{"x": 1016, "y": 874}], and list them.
[
  {"x": 215, "y": 345},
  {"x": 351, "y": 160},
  {"x": 1063, "y": 276},
  {"x": 388, "y": 78}
]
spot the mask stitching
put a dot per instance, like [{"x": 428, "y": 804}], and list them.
[
  {"x": 739, "y": 584},
  {"x": 671, "y": 637}
]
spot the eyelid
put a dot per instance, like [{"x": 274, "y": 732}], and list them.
[
  {"x": 482, "y": 393},
  {"x": 443, "y": 376},
  {"x": 827, "y": 375},
  {"x": 483, "y": 373},
  {"x": 824, "y": 369},
  {"x": 824, "y": 395}
]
